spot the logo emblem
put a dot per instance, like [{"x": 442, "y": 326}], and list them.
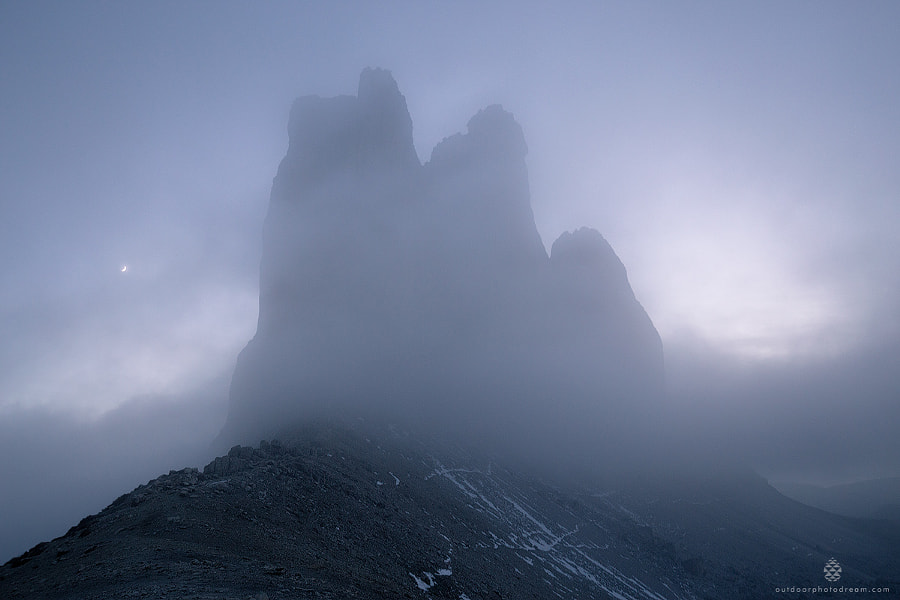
[{"x": 832, "y": 570}]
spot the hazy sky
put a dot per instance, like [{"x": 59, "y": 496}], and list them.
[{"x": 742, "y": 159}]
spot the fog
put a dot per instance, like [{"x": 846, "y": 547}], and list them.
[{"x": 740, "y": 161}]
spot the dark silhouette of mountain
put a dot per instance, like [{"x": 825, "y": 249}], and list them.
[
  {"x": 424, "y": 294},
  {"x": 369, "y": 512}
]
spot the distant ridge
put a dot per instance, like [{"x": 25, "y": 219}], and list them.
[{"x": 873, "y": 499}]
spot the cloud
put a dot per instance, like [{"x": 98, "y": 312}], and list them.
[
  {"x": 57, "y": 470},
  {"x": 84, "y": 354},
  {"x": 824, "y": 419}
]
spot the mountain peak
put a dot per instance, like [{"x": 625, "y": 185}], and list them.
[
  {"x": 424, "y": 294},
  {"x": 378, "y": 86},
  {"x": 587, "y": 251},
  {"x": 385, "y": 118},
  {"x": 350, "y": 136},
  {"x": 497, "y": 129}
]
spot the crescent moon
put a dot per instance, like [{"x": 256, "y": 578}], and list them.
[{"x": 124, "y": 268}]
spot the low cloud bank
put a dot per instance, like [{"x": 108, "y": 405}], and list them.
[{"x": 58, "y": 470}]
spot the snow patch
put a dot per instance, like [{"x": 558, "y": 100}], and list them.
[
  {"x": 528, "y": 515},
  {"x": 421, "y": 583},
  {"x": 427, "y": 581}
]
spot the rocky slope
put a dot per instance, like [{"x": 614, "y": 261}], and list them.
[{"x": 357, "y": 512}]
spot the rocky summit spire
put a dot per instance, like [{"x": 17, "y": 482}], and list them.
[
  {"x": 349, "y": 136},
  {"x": 591, "y": 286},
  {"x": 423, "y": 293},
  {"x": 386, "y": 126},
  {"x": 480, "y": 180}
]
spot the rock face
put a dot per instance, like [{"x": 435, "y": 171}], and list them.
[{"x": 424, "y": 292}]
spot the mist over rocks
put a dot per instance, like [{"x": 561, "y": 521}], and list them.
[
  {"x": 348, "y": 134},
  {"x": 423, "y": 293},
  {"x": 602, "y": 321}
]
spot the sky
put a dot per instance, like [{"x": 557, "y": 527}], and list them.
[{"x": 740, "y": 158}]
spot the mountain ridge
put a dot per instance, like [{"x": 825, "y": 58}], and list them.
[
  {"x": 362, "y": 511},
  {"x": 873, "y": 499}
]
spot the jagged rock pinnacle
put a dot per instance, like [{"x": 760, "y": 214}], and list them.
[{"x": 424, "y": 292}]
